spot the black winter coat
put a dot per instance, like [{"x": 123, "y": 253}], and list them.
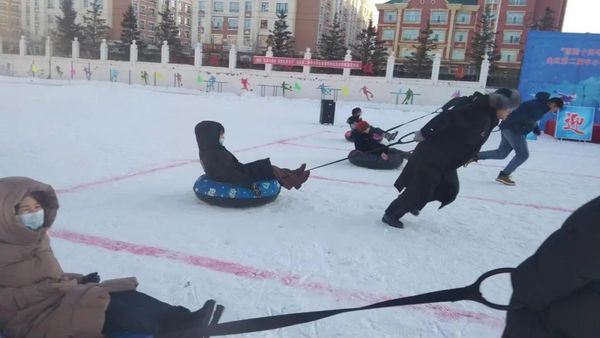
[
  {"x": 556, "y": 292},
  {"x": 365, "y": 143},
  {"x": 524, "y": 119},
  {"x": 221, "y": 165}
]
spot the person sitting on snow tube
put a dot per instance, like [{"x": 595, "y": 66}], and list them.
[
  {"x": 376, "y": 133},
  {"x": 221, "y": 166},
  {"x": 37, "y": 299},
  {"x": 371, "y": 153}
]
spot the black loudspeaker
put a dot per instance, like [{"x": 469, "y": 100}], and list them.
[{"x": 327, "y": 112}]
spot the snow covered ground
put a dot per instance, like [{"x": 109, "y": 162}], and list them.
[{"x": 124, "y": 160}]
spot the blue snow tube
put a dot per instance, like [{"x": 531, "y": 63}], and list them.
[
  {"x": 372, "y": 161},
  {"x": 234, "y": 196}
]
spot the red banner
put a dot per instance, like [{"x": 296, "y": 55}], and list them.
[{"x": 265, "y": 60}]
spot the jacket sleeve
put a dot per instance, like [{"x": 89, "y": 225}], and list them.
[
  {"x": 565, "y": 262},
  {"x": 13, "y": 299},
  {"x": 230, "y": 171}
]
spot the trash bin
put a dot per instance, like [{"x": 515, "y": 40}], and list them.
[{"x": 327, "y": 112}]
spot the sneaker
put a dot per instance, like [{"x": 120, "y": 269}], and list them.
[
  {"x": 389, "y": 220},
  {"x": 505, "y": 179},
  {"x": 390, "y": 136}
]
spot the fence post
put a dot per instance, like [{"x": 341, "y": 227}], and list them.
[
  {"x": 232, "y": 57},
  {"x": 391, "y": 62},
  {"x": 48, "y": 47},
  {"x": 435, "y": 70},
  {"x": 75, "y": 48},
  {"x": 485, "y": 70},
  {"x": 268, "y": 67},
  {"x": 133, "y": 52},
  {"x": 198, "y": 55},
  {"x": 348, "y": 57},
  {"x": 307, "y": 56},
  {"x": 1, "y": 45},
  {"x": 164, "y": 53},
  {"x": 22, "y": 46},
  {"x": 103, "y": 50}
]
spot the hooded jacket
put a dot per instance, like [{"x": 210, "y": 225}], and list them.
[
  {"x": 37, "y": 299},
  {"x": 523, "y": 119}
]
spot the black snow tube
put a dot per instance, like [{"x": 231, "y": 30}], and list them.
[
  {"x": 233, "y": 196},
  {"x": 372, "y": 161}
]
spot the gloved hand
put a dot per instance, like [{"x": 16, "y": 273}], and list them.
[
  {"x": 537, "y": 131},
  {"x": 256, "y": 190},
  {"x": 90, "y": 278},
  {"x": 418, "y": 137},
  {"x": 384, "y": 156}
]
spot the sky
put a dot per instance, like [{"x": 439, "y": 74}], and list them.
[{"x": 581, "y": 16}]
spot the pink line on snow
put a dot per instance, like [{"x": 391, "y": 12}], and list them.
[
  {"x": 484, "y": 199},
  {"x": 312, "y": 146},
  {"x": 178, "y": 164},
  {"x": 291, "y": 280}
]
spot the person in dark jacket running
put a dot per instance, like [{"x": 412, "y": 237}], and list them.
[
  {"x": 446, "y": 142},
  {"x": 363, "y": 141},
  {"x": 514, "y": 133},
  {"x": 377, "y": 133},
  {"x": 556, "y": 292},
  {"x": 461, "y": 101},
  {"x": 220, "y": 165}
]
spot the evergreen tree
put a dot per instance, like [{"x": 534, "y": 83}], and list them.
[
  {"x": 130, "y": 31},
  {"x": 420, "y": 62},
  {"x": 280, "y": 39},
  {"x": 95, "y": 28},
  {"x": 332, "y": 45},
  {"x": 484, "y": 41},
  {"x": 168, "y": 31},
  {"x": 369, "y": 49},
  {"x": 545, "y": 22},
  {"x": 66, "y": 28}
]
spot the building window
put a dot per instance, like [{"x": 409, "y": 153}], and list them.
[
  {"x": 491, "y": 2},
  {"x": 142, "y": 24},
  {"x": 508, "y": 55},
  {"x": 151, "y": 11},
  {"x": 264, "y": 6},
  {"x": 406, "y": 52},
  {"x": 51, "y": 4},
  {"x": 247, "y": 23},
  {"x": 179, "y": 20},
  {"x": 461, "y": 36},
  {"x": 515, "y": 18},
  {"x": 151, "y": 26},
  {"x": 458, "y": 54},
  {"x": 390, "y": 16},
  {"x": 248, "y": 6},
  {"x": 202, "y": 6},
  {"x": 438, "y": 35},
  {"x": 463, "y": 18},
  {"x": 412, "y": 16},
  {"x": 234, "y": 7},
  {"x": 232, "y": 23},
  {"x": 517, "y": 2},
  {"x": 410, "y": 34},
  {"x": 216, "y": 39},
  {"x": 512, "y": 37},
  {"x": 439, "y": 17},
  {"x": 217, "y": 23},
  {"x": 218, "y": 6},
  {"x": 281, "y": 7},
  {"x": 388, "y": 34},
  {"x": 186, "y": 21},
  {"x": 264, "y": 24},
  {"x": 247, "y": 41}
]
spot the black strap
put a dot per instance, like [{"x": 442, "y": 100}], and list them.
[
  {"x": 413, "y": 120},
  {"x": 471, "y": 292}
]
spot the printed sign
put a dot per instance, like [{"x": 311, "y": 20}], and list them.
[
  {"x": 575, "y": 123},
  {"x": 306, "y": 62}
]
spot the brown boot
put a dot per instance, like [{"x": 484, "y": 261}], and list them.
[
  {"x": 300, "y": 170},
  {"x": 284, "y": 177},
  {"x": 301, "y": 178}
]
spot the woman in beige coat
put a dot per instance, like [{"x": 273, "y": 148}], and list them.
[{"x": 37, "y": 299}]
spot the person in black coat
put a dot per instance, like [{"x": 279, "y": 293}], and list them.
[
  {"x": 446, "y": 142},
  {"x": 556, "y": 292},
  {"x": 364, "y": 141},
  {"x": 514, "y": 131},
  {"x": 461, "y": 101},
  {"x": 220, "y": 165}
]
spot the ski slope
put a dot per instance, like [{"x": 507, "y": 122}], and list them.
[{"x": 124, "y": 159}]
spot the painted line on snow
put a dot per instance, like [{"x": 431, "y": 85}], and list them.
[
  {"x": 178, "y": 164},
  {"x": 477, "y": 198},
  {"x": 248, "y": 272}
]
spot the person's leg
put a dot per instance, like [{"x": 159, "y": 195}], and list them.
[
  {"x": 519, "y": 143},
  {"x": 503, "y": 149},
  {"x": 419, "y": 191},
  {"x": 260, "y": 170}
]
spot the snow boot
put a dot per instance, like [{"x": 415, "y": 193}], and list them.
[
  {"x": 390, "y": 136},
  {"x": 301, "y": 178},
  {"x": 389, "y": 220},
  {"x": 300, "y": 170},
  {"x": 285, "y": 177},
  {"x": 505, "y": 179}
]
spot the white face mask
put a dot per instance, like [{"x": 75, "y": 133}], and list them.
[
  {"x": 222, "y": 140},
  {"x": 33, "y": 221}
]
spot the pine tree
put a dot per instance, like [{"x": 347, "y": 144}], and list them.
[
  {"x": 332, "y": 45},
  {"x": 66, "y": 28},
  {"x": 280, "y": 39},
  {"x": 168, "y": 31},
  {"x": 95, "y": 28},
  {"x": 484, "y": 41},
  {"x": 545, "y": 22},
  {"x": 369, "y": 49},
  {"x": 130, "y": 31},
  {"x": 420, "y": 62}
]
